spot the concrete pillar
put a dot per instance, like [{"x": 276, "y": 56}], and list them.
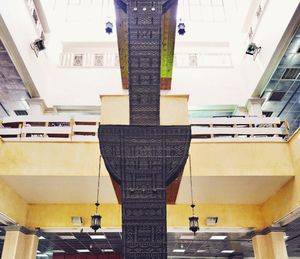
[
  {"x": 37, "y": 106},
  {"x": 254, "y": 106},
  {"x": 19, "y": 243},
  {"x": 270, "y": 246},
  {"x": 240, "y": 111}
]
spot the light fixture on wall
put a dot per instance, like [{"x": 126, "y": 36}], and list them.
[
  {"x": 109, "y": 27},
  {"x": 96, "y": 218},
  {"x": 193, "y": 220},
  {"x": 37, "y": 46},
  {"x": 253, "y": 50},
  {"x": 181, "y": 28}
]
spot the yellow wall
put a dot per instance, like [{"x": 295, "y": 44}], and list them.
[
  {"x": 173, "y": 109},
  {"x": 230, "y": 215},
  {"x": 11, "y": 204},
  {"x": 49, "y": 159},
  {"x": 245, "y": 159},
  {"x": 288, "y": 197},
  {"x": 208, "y": 159},
  {"x": 59, "y": 215}
]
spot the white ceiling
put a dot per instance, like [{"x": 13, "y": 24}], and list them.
[
  {"x": 215, "y": 189},
  {"x": 62, "y": 189},
  {"x": 231, "y": 189}
]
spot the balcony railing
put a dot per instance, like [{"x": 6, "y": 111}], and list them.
[
  {"x": 57, "y": 128},
  {"x": 239, "y": 129}
]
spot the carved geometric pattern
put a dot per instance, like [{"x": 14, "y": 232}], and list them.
[
  {"x": 144, "y": 37},
  {"x": 144, "y": 158}
]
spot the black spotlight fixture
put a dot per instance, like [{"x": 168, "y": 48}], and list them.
[
  {"x": 253, "y": 50},
  {"x": 109, "y": 27},
  {"x": 38, "y": 45},
  {"x": 96, "y": 218},
  {"x": 181, "y": 28},
  {"x": 193, "y": 220}
]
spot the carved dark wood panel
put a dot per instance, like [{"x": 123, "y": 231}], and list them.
[
  {"x": 144, "y": 37},
  {"x": 144, "y": 158}
]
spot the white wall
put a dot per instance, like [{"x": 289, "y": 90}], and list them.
[
  {"x": 82, "y": 86},
  {"x": 269, "y": 33},
  {"x": 21, "y": 27}
]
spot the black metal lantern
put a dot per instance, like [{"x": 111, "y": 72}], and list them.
[
  {"x": 96, "y": 218},
  {"x": 109, "y": 27},
  {"x": 193, "y": 220},
  {"x": 194, "y": 224},
  {"x": 181, "y": 28}
]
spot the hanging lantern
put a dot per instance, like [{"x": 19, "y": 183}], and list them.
[
  {"x": 193, "y": 220},
  {"x": 181, "y": 28},
  {"x": 194, "y": 224},
  {"x": 96, "y": 218},
  {"x": 109, "y": 27}
]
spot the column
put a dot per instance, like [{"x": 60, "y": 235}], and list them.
[
  {"x": 19, "y": 243},
  {"x": 37, "y": 106},
  {"x": 269, "y": 245},
  {"x": 254, "y": 106}
]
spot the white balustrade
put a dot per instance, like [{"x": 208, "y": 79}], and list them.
[{"x": 84, "y": 128}]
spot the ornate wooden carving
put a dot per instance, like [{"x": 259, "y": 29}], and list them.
[{"x": 144, "y": 158}]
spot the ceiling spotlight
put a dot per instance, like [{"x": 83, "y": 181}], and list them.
[
  {"x": 109, "y": 27},
  {"x": 181, "y": 28},
  {"x": 37, "y": 46},
  {"x": 253, "y": 50}
]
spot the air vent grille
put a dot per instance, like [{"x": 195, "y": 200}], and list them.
[
  {"x": 276, "y": 96},
  {"x": 291, "y": 73},
  {"x": 21, "y": 112},
  {"x": 267, "y": 113}
]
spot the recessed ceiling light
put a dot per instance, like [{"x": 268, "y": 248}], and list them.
[
  {"x": 178, "y": 250},
  {"x": 98, "y": 236},
  {"x": 67, "y": 237},
  {"x": 201, "y": 251},
  {"x": 218, "y": 237},
  {"x": 58, "y": 251},
  {"x": 83, "y": 250},
  {"x": 227, "y": 251},
  {"x": 107, "y": 250}
]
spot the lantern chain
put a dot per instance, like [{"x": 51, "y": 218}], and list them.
[
  {"x": 191, "y": 184},
  {"x": 98, "y": 186}
]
